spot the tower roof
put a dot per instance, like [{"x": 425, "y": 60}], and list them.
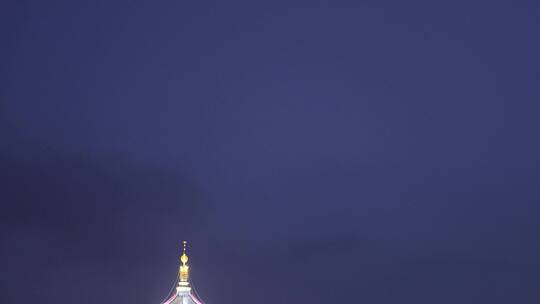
[
  {"x": 183, "y": 294},
  {"x": 183, "y": 299}
]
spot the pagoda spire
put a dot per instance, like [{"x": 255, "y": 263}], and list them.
[
  {"x": 183, "y": 274},
  {"x": 183, "y": 293}
]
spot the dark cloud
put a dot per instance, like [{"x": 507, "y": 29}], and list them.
[
  {"x": 79, "y": 222},
  {"x": 70, "y": 221}
]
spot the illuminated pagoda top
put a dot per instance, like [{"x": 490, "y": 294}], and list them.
[{"x": 184, "y": 293}]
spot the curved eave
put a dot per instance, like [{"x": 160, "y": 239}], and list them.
[{"x": 177, "y": 299}]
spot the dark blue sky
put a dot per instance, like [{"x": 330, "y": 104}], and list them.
[{"x": 310, "y": 151}]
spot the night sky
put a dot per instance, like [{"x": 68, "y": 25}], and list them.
[{"x": 309, "y": 151}]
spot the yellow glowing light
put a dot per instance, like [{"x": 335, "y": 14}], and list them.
[{"x": 184, "y": 268}]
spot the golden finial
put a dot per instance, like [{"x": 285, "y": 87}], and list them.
[{"x": 184, "y": 268}]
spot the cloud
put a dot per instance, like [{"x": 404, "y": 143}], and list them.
[{"x": 74, "y": 221}]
